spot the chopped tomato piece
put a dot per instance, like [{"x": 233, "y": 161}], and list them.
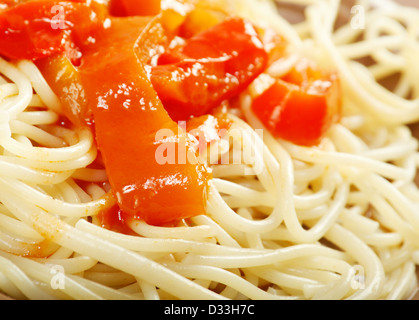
[
  {"x": 152, "y": 42},
  {"x": 302, "y": 106},
  {"x": 212, "y": 66},
  {"x": 124, "y": 8},
  {"x": 129, "y": 118},
  {"x": 64, "y": 79},
  {"x": 38, "y": 29},
  {"x": 172, "y": 20}
]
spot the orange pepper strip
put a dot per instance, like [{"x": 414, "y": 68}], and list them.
[{"x": 128, "y": 116}]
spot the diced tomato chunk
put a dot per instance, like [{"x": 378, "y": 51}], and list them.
[
  {"x": 213, "y": 66},
  {"x": 302, "y": 106},
  {"x": 38, "y": 29}
]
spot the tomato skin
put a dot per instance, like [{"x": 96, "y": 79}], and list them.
[
  {"x": 300, "y": 107},
  {"x": 213, "y": 66},
  {"x": 128, "y": 116}
]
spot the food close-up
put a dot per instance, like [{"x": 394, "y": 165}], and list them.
[{"x": 209, "y": 150}]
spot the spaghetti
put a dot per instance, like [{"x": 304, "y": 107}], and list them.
[{"x": 334, "y": 221}]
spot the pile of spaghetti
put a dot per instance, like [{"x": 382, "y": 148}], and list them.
[{"x": 208, "y": 150}]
